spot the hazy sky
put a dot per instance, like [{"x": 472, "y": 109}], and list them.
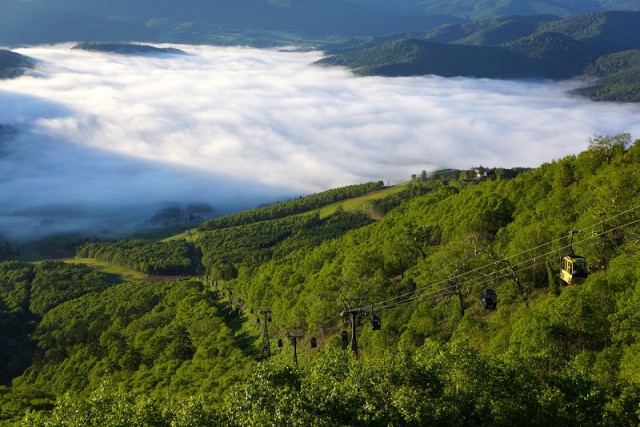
[{"x": 110, "y": 134}]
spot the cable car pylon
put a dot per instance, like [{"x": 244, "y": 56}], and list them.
[
  {"x": 266, "y": 345},
  {"x": 294, "y": 342},
  {"x": 354, "y": 314}
]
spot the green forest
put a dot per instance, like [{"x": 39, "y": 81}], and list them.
[
  {"x": 600, "y": 46},
  {"x": 407, "y": 271}
]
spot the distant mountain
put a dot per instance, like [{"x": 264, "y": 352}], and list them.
[
  {"x": 409, "y": 57},
  {"x": 128, "y": 48},
  {"x": 194, "y": 21},
  {"x": 268, "y": 21},
  {"x": 13, "y": 64},
  {"x": 489, "y": 32},
  {"x": 546, "y": 55},
  {"x": 30, "y": 22},
  {"x": 552, "y": 55},
  {"x": 473, "y": 9},
  {"x": 619, "y": 77},
  {"x": 605, "y": 32},
  {"x": 555, "y": 48}
]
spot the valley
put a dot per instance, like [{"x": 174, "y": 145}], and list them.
[{"x": 303, "y": 213}]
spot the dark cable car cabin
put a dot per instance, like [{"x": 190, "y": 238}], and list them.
[
  {"x": 313, "y": 342},
  {"x": 489, "y": 299},
  {"x": 279, "y": 343},
  {"x": 574, "y": 269},
  {"x": 344, "y": 336},
  {"x": 375, "y": 323}
]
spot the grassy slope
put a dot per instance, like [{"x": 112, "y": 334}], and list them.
[
  {"x": 360, "y": 203},
  {"x": 114, "y": 273},
  {"x": 351, "y": 205}
]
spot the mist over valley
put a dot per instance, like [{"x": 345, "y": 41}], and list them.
[
  {"x": 97, "y": 140},
  {"x": 303, "y": 212}
]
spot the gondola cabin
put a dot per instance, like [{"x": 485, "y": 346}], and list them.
[
  {"x": 376, "y": 323},
  {"x": 489, "y": 299},
  {"x": 574, "y": 269}
]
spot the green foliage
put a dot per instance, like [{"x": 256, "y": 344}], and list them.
[
  {"x": 108, "y": 406},
  {"x": 605, "y": 32},
  {"x": 437, "y": 385},
  {"x": 56, "y": 282},
  {"x": 623, "y": 86},
  {"x": 550, "y": 354},
  {"x": 156, "y": 337},
  {"x": 176, "y": 257}
]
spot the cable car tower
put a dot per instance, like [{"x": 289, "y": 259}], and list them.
[
  {"x": 355, "y": 314},
  {"x": 266, "y": 345},
  {"x": 574, "y": 267}
]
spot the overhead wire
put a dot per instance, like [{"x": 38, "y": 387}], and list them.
[
  {"x": 506, "y": 259},
  {"x": 445, "y": 290},
  {"x": 408, "y": 296},
  {"x": 493, "y": 274}
]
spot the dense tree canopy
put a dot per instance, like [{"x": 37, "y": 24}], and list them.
[{"x": 184, "y": 353}]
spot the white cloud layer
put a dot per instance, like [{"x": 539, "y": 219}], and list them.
[{"x": 233, "y": 127}]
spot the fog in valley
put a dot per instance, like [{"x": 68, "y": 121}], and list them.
[{"x": 101, "y": 141}]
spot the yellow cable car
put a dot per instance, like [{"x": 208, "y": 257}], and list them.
[{"x": 574, "y": 269}]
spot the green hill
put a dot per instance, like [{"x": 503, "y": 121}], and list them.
[
  {"x": 604, "y": 32},
  {"x": 489, "y": 32},
  {"x": 618, "y": 77},
  {"x": 265, "y": 22},
  {"x": 408, "y": 57},
  {"x": 553, "y": 55},
  {"x": 542, "y": 55},
  {"x": 508, "y": 47},
  {"x": 79, "y": 349},
  {"x": 471, "y": 9}
]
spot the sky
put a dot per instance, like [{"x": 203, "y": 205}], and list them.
[{"x": 99, "y": 140}]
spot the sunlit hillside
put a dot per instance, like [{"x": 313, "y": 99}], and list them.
[{"x": 550, "y": 345}]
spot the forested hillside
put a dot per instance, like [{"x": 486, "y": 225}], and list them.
[
  {"x": 257, "y": 22},
  {"x": 540, "y": 46},
  {"x": 482, "y": 9},
  {"x": 618, "y": 76},
  {"x": 186, "y": 352}
]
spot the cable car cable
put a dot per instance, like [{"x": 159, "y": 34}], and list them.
[
  {"x": 501, "y": 273},
  {"x": 593, "y": 236}
]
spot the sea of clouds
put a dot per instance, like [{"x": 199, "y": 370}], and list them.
[{"x": 101, "y": 140}]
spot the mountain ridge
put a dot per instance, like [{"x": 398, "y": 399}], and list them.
[
  {"x": 198, "y": 21},
  {"x": 555, "y": 49}
]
